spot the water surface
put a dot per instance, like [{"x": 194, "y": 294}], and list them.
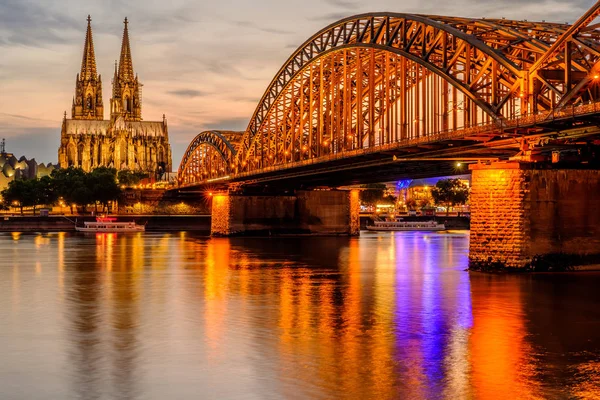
[{"x": 383, "y": 316}]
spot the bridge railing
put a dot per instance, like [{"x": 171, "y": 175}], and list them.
[
  {"x": 552, "y": 115},
  {"x": 526, "y": 120},
  {"x": 437, "y": 137}
]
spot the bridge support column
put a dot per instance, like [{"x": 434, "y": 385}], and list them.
[
  {"x": 523, "y": 216},
  {"x": 321, "y": 212}
]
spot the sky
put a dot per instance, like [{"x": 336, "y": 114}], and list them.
[{"x": 205, "y": 64}]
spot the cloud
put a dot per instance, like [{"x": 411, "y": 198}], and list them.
[
  {"x": 229, "y": 124},
  {"x": 252, "y": 25},
  {"x": 25, "y": 23},
  {"x": 345, "y": 4},
  {"x": 187, "y": 93},
  {"x": 245, "y": 99},
  {"x": 335, "y": 16},
  {"x": 17, "y": 116},
  {"x": 10, "y": 124}
]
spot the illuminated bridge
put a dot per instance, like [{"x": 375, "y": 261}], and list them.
[
  {"x": 374, "y": 86},
  {"x": 383, "y": 96}
]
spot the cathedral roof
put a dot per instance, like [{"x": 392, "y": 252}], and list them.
[
  {"x": 88, "y": 63},
  {"x": 86, "y": 126},
  {"x": 107, "y": 128}
]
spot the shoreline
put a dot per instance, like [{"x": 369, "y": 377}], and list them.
[{"x": 64, "y": 223}]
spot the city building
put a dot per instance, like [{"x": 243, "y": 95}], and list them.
[
  {"x": 12, "y": 168},
  {"x": 416, "y": 193},
  {"x": 124, "y": 141}
]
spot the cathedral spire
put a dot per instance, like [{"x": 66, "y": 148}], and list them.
[
  {"x": 88, "y": 64},
  {"x": 125, "y": 63},
  {"x": 87, "y": 103},
  {"x": 126, "y": 100}
]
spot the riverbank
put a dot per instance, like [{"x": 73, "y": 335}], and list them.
[
  {"x": 62, "y": 223},
  {"x": 194, "y": 223}
]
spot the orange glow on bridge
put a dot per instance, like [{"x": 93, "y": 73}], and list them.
[{"x": 381, "y": 82}]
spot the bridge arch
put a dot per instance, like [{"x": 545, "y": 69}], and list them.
[
  {"x": 478, "y": 76},
  {"x": 208, "y": 156},
  {"x": 370, "y": 81}
]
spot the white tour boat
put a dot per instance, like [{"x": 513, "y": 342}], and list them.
[
  {"x": 108, "y": 224},
  {"x": 400, "y": 225}
]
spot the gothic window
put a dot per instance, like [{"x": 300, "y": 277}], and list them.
[{"x": 89, "y": 102}]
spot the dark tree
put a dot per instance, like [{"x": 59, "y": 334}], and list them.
[
  {"x": 46, "y": 191},
  {"x": 27, "y": 192},
  {"x": 18, "y": 191},
  {"x": 374, "y": 193},
  {"x": 449, "y": 193},
  {"x": 102, "y": 183},
  {"x": 70, "y": 184},
  {"x": 130, "y": 178}
]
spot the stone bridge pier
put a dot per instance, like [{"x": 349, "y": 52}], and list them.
[
  {"x": 523, "y": 214},
  {"x": 318, "y": 212}
]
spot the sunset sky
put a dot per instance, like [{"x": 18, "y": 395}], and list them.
[{"x": 205, "y": 64}]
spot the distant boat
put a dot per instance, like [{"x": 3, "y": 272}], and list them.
[
  {"x": 109, "y": 224},
  {"x": 400, "y": 225}
]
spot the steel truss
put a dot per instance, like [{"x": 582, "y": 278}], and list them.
[
  {"x": 377, "y": 79},
  {"x": 208, "y": 156}
]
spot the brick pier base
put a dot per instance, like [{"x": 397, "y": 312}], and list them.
[{"x": 519, "y": 212}]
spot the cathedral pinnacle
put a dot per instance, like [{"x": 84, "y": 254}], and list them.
[
  {"x": 87, "y": 103},
  {"x": 125, "y": 63},
  {"x": 127, "y": 99},
  {"x": 88, "y": 63}
]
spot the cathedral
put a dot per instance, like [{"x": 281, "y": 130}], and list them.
[{"x": 124, "y": 141}]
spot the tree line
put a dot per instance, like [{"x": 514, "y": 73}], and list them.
[
  {"x": 73, "y": 186},
  {"x": 450, "y": 193}
]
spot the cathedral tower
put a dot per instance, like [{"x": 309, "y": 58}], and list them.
[
  {"x": 123, "y": 141},
  {"x": 126, "y": 99},
  {"x": 87, "y": 103}
]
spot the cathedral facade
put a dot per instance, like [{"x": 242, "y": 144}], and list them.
[{"x": 124, "y": 141}]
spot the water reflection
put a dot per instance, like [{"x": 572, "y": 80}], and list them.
[
  {"x": 101, "y": 303},
  {"x": 148, "y": 316},
  {"x": 84, "y": 308}
]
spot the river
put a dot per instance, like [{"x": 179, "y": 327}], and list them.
[{"x": 382, "y": 316}]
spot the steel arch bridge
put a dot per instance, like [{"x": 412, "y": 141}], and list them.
[
  {"x": 380, "y": 81},
  {"x": 209, "y": 156}
]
